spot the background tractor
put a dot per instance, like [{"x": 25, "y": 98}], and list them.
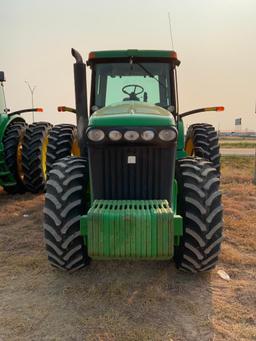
[
  {"x": 13, "y": 131},
  {"x": 137, "y": 191},
  {"x": 34, "y": 154}
]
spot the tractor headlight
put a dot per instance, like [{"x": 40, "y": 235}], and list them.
[
  {"x": 148, "y": 135},
  {"x": 131, "y": 135},
  {"x": 167, "y": 135},
  {"x": 115, "y": 135},
  {"x": 96, "y": 135}
]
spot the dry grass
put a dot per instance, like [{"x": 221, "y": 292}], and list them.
[
  {"x": 235, "y": 306},
  {"x": 238, "y": 143},
  {"x": 126, "y": 300},
  {"x": 237, "y": 170}
]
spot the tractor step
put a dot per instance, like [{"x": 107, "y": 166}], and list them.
[{"x": 131, "y": 229}]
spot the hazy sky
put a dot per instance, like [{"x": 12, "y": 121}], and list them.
[{"x": 215, "y": 41}]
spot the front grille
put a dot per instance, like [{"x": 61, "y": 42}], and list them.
[{"x": 150, "y": 177}]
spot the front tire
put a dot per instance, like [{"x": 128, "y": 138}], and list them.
[
  {"x": 12, "y": 142},
  {"x": 62, "y": 142},
  {"x": 34, "y": 151},
  {"x": 65, "y": 202},
  {"x": 202, "y": 141},
  {"x": 199, "y": 203}
]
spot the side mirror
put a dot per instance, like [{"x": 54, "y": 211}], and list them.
[{"x": 2, "y": 78}]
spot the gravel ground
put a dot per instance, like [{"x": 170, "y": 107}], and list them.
[{"x": 128, "y": 300}]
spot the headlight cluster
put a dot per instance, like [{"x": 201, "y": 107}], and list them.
[
  {"x": 166, "y": 135},
  {"x": 131, "y": 135},
  {"x": 115, "y": 135},
  {"x": 96, "y": 135}
]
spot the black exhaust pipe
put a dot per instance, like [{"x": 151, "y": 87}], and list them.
[{"x": 81, "y": 100}]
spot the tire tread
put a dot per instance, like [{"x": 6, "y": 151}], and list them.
[{"x": 202, "y": 214}]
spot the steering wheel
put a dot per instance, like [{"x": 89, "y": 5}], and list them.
[{"x": 134, "y": 92}]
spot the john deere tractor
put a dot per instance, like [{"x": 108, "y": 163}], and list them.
[
  {"x": 137, "y": 190},
  {"x": 12, "y": 134}
]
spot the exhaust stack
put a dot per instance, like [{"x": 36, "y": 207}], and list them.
[{"x": 81, "y": 100}]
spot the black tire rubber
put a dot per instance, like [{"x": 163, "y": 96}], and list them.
[
  {"x": 60, "y": 140},
  {"x": 34, "y": 177},
  {"x": 206, "y": 142},
  {"x": 199, "y": 203},
  {"x": 65, "y": 202},
  {"x": 13, "y": 135}
]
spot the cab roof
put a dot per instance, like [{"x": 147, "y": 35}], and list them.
[{"x": 162, "y": 55}]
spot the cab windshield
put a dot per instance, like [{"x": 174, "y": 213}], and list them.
[{"x": 143, "y": 82}]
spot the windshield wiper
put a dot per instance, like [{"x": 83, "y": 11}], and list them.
[{"x": 151, "y": 75}]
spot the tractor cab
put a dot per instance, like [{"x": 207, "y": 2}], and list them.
[
  {"x": 131, "y": 135},
  {"x": 132, "y": 75}
]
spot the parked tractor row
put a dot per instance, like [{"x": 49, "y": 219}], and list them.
[{"x": 27, "y": 152}]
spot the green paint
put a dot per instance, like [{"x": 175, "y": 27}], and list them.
[
  {"x": 6, "y": 178},
  {"x": 131, "y": 113},
  {"x": 4, "y": 122},
  {"x": 178, "y": 229},
  {"x": 130, "y": 229}
]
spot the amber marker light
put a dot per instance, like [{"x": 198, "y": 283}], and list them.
[
  {"x": 62, "y": 108},
  {"x": 92, "y": 55},
  {"x": 214, "y": 109},
  {"x": 173, "y": 54},
  {"x": 220, "y": 108},
  {"x": 39, "y": 110}
]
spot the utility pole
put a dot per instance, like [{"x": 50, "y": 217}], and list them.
[{"x": 32, "y": 89}]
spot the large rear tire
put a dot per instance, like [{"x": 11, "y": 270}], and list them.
[
  {"x": 65, "y": 202},
  {"x": 34, "y": 151},
  {"x": 62, "y": 142},
  {"x": 199, "y": 203},
  {"x": 12, "y": 142},
  {"x": 202, "y": 141}
]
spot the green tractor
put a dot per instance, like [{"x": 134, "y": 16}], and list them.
[
  {"x": 138, "y": 190},
  {"x": 12, "y": 133}
]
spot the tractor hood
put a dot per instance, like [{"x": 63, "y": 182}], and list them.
[{"x": 131, "y": 113}]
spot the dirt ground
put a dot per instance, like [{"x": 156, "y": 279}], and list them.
[{"x": 129, "y": 300}]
